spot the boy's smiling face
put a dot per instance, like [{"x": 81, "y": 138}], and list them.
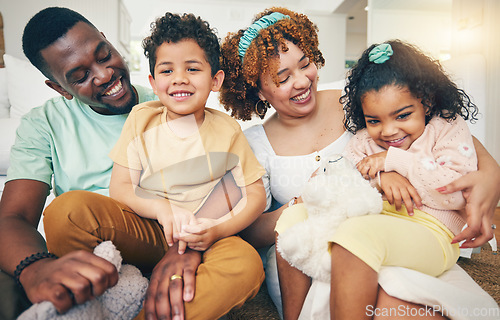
[{"x": 183, "y": 79}]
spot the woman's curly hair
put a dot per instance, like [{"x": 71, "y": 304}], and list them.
[
  {"x": 239, "y": 92},
  {"x": 407, "y": 67},
  {"x": 174, "y": 28}
]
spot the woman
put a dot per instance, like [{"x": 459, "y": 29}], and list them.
[{"x": 274, "y": 63}]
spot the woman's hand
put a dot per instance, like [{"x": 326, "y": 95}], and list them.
[
  {"x": 398, "y": 190},
  {"x": 482, "y": 193},
  {"x": 371, "y": 165},
  {"x": 201, "y": 235}
]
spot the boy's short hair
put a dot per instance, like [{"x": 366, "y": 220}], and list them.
[
  {"x": 174, "y": 28},
  {"x": 45, "y": 28}
]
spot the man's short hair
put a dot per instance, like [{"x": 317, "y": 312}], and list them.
[{"x": 45, "y": 28}]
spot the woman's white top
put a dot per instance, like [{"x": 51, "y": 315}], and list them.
[{"x": 286, "y": 176}]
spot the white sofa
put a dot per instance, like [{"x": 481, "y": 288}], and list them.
[{"x": 22, "y": 87}]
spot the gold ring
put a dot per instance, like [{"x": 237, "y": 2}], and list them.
[{"x": 175, "y": 276}]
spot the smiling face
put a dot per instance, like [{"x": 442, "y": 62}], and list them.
[
  {"x": 394, "y": 117},
  {"x": 183, "y": 80},
  {"x": 85, "y": 65},
  {"x": 296, "y": 94}
]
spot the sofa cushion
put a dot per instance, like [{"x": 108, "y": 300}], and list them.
[
  {"x": 4, "y": 98},
  {"x": 8, "y": 128},
  {"x": 26, "y": 86}
]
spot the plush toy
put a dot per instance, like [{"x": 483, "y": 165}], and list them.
[
  {"x": 335, "y": 193},
  {"x": 123, "y": 301}
]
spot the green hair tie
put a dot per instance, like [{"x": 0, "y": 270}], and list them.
[
  {"x": 380, "y": 53},
  {"x": 253, "y": 31}
]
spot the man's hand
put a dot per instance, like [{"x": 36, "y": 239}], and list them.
[
  {"x": 70, "y": 280},
  {"x": 172, "y": 283}
]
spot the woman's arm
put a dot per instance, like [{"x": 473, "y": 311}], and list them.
[
  {"x": 481, "y": 193},
  {"x": 261, "y": 232}
]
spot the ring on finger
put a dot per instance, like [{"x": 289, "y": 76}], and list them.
[{"x": 175, "y": 277}]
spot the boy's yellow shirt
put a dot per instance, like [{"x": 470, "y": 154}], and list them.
[{"x": 184, "y": 169}]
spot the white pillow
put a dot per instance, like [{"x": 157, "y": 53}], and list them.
[
  {"x": 8, "y": 133},
  {"x": 4, "y": 98},
  {"x": 26, "y": 86}
]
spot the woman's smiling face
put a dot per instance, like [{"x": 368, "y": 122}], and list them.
[{"x": 296, "y": 94}]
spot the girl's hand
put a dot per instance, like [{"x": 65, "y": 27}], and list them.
[
  {"x": 398, "y": 190},
  {"x": 371, "y": 165},
  {"x": 481, "y": 193},
  {"x": 201, "y": 235},
  {"x": 173, "y": 221}
]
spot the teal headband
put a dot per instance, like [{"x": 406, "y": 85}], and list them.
[
  {"x": 380, "y": 53},
  {"x": 253, "y": 31}
]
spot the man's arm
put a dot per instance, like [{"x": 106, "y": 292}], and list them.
[{"x": 75, "y": 278}]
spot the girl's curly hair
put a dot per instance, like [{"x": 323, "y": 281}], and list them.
[
  {"x": 407, "y": 67},
  {"x": 239, "y": 92},
  {"x": 174, "y": 28}
]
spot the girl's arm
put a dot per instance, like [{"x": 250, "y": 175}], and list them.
[
  {"x": 481, "y": 193},
  {"x": 124, "y": 188},
  {"x": 442, "y": 154}
]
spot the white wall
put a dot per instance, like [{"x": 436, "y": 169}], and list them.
[
  {"x": 468, "y": 33},
  {"x": 230, "y": 16},
  {"x": 103, "y": 14}
]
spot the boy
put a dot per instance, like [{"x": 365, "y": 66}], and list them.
[{"x": 173, "y": 152}]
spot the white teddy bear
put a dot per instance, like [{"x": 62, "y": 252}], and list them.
[
  {"x": 335, "y": 193},
  {"x": 123, "y": 301}
]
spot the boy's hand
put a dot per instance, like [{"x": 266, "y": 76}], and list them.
[
  {"x": 173, "y": 223},
  {"x": 398, "y": 190},
  {"x": 200, "y": 236},
  {"x": 371, "y": 165}
]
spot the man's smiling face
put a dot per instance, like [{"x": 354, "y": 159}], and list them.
[{"x": 85, "y": 65}]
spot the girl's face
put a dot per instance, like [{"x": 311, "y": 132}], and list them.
[
  {"x": 394, "y": 117},
  {"x": 297, "y": 76}
]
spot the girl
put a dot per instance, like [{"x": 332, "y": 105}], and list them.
[{"x": 407, "y": 117}]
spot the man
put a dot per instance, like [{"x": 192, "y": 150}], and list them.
[{"x": 67, "y": 140}]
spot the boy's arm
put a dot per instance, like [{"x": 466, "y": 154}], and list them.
[
  {"x": 202, "y": 235},
  {"x": 124, "y": 188}
]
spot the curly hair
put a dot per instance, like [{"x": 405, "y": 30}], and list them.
[
  {"x": 407, "y": 67},
  {"x": 174, "y": 28},
  {"x": 45, "y": 28},
  {"x": 239, "y": 92}
]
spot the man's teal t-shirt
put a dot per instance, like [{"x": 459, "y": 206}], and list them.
[{"x": 67, "y": 140}]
